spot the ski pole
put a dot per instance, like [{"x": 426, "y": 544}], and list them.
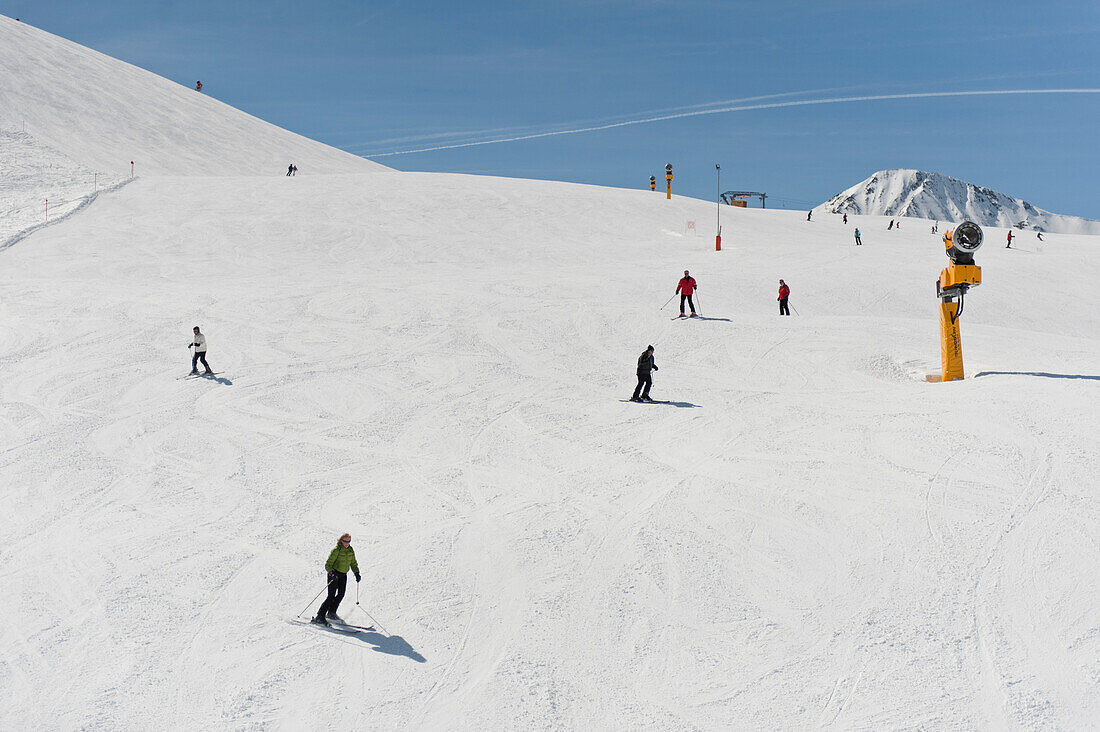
[
  {"x": 669, "y": 300},
  {"x": 700, "y": 303},
  {"x": 793, "y": 307},
  {"x": 376, "y": 623},
  {"x": 318, "y": 595}
]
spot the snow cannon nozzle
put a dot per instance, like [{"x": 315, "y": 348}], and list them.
[{"x": 963, "y": 242}]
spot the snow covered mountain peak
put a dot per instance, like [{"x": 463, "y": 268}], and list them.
[
  {"x": 103, "y": 113},
  {"x": 920, "y": 194}
]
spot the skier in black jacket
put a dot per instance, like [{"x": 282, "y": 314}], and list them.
[{"x": 645, "y": 365}]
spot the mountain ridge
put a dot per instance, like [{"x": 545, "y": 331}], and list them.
[
  {"x": 929, "y": 195},
  {"x": 103, "y": 113}
]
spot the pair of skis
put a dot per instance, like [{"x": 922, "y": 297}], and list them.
[
  {"x": 681, "y": 316},
  {"x": 338, "y": 627}
]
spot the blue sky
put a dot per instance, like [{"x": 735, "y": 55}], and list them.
[{"x": 378, "y": 77}]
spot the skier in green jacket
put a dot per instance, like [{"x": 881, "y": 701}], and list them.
[{"x": 340, "y": 559}]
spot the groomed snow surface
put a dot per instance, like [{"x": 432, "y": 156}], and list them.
[{"x": 808, "y": 535}]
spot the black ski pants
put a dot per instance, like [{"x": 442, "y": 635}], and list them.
[
  {"x": 644, "y": 380},
  {"x": 199, "y": 356},
  {"x": 689, "y": 302},
  {"x": 336, "y": 591},
  {"x": 783, "y": 310}
]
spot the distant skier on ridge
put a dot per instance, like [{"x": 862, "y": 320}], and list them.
[
  {"x": 645, "y": 381},
  {"x": 340, "y": 560},
  {"x": 685, "y": 289}
]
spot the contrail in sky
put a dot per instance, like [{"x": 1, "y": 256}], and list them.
[{"x": 735, "y": 108}]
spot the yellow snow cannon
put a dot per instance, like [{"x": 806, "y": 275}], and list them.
[{"x": 959, "y": 276}]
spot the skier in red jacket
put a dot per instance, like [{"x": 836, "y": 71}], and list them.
[
  {"x": 784, "y": 293},
  {"x": 686, "y": 288}
]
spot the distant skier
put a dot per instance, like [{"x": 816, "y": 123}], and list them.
[
  {"x": 340, "y": 560},
  {"x": 784, "y": 294},
  {"x": 645, "y": 365},
  {"x": 199, "y": 344},
  {"x": 685, "y": 289},
  {"x": 1009, "y": 245},
  {"x": 289, "y": 170},
  {"x": 198, "y": 86},
  {"x": 891, "y": 226},
  {"x": 858, "y": 242},
  {"x": 809, "y": 214},
  {"x": 845, "y": 218},
  {"x": 1039, "y": 235},
  {"x": 293, "y": 169}
]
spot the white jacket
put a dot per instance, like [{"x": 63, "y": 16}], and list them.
[{"x": 199, "y": 343}]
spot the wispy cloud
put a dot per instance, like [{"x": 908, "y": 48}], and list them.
[
  {"x": 565, "y": 127},
  {"x": 731, "y": 106}
]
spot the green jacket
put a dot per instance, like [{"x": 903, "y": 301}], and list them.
[{"x": 340, "y": 559}]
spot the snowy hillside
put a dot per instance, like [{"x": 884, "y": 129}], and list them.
[
  {"x": 808, "y": 534},
  {"x": 103, "y": 113},
  {"x": 938, "y": 197},
  {"x": 41, "y": 185},
  {"x": 804, "y": 534}
]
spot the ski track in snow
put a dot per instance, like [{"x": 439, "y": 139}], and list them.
[{"x": 825, "y": 540}]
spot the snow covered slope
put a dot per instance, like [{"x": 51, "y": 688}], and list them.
[
  {"x": 938, "y": 197},
  {"x": 40, "y": 185},
  {"x": 103, "y": 113},
  {"x": 806, "y": 535}
]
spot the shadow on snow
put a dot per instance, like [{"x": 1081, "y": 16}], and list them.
[
  {"x": 1043, "y": 374},
  {"x": 391, "y": 645}
]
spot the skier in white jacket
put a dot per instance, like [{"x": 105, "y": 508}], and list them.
[{"x": 199, "y": 344}]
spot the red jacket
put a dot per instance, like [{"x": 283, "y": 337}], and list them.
[
  {"x": 784, "y": 292},
  {"x": 687, "y": 285}
]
